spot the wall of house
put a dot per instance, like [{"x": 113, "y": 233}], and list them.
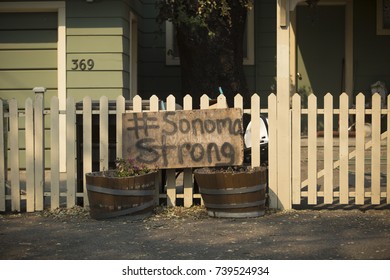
[
  {"x": 155, "y": 77},
  {"x": 371, "y": 51},
  {"x": 264, "y": 72},
  {"x": 98, "y": 32},
  {"x": 28, "y": 53},
  {"x": 97, "y": 50},
  {"x": 158, "y": 78},
  {"x": 97, "y": 43}
]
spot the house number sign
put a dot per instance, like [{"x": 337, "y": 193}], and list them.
[{"x": 83, "y": 64}]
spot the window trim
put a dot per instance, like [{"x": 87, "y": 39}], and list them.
[{"x": 380, "y": 29}]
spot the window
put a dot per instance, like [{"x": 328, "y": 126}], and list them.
[
  {"x": 172, "y": 57},
  {"x": 383, "y": 17}
]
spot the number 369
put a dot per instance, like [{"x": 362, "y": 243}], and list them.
[{"x": 83, "y": 64}]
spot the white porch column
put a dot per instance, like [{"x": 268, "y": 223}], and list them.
[{"x": 282, "y": 190}]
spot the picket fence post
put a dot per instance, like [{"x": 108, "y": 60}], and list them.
[
  {"x": 328, "y": 148},
  {"x": 255, "y": 126},
  {"x": 187, "y": 173},
  {"x": 87, "y": 144},
  {"x": 39, "y": 142},
  {"x": 376, "y": 149},
  {"x": 154, "y": 106},
  {"x": 296, "y": 149},
  {"x": 103, "y": 129},
  {"x": 171, "y": 174},
  {"x": 344, "y": 151},
  {"x": 70, "y": 152},
  {"x": 272, "y": 153},
  {"x": 312, "y": 149},
  {"x": 360, "y": 139},
  {"x": 55, "y": 153},
  {"x": 30, "y": 155},
  {"x": 14, "y": 150}
]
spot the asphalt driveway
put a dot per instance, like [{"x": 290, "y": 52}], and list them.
[{"x": 179, "y": 233}]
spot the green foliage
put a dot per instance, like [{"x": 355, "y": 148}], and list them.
[
  {"x": 198, "y": 13},
  {"x": 129, "y": 167}
]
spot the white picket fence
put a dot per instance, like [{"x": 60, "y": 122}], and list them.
[
  {"x": 328, "y": 169},
  {"x": 41, "y": 185},
  {"x": 346, "y": 166}
]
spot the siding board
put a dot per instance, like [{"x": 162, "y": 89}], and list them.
[
  {"x": 26, "y": 39},
  {"x": 97, "y": 9},
  {"x": 95, "y": 79},
  {"x": 28, "y": 59},
  {"x": 97, "y": 44},
  {"x": 97, "y": 26},
  {"x": 28, "y": 79},
  {"x": 19, "y": 21},
  {"x": 102, "y": 61},
  {"x": 95, "y": 93}
]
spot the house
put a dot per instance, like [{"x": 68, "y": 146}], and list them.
[
  {"x": 100, "y": 47},
  {"x": 115, "y": 47}
]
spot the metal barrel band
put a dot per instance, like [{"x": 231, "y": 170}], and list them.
[
  {"x": 125, "y": 211},
  {"x": 232, "y": 190},
  {"x": 235, "y": 205},
  {"x": 120, "y": 192}
]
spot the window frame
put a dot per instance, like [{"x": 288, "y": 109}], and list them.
[{"x": 380, "y": 28}]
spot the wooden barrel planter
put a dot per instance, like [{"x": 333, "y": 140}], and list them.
[
  {"x": 111, "y": 196},
  {"x": 237, "y": 194}
]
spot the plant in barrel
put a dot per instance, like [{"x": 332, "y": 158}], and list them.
[{"x": 129, "y": 189}]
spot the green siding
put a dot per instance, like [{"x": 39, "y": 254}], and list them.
[
  {"x": 22, "y": 94},
  {"x": 97, "y": 9},
  {"x": 98, "y": 31},
  {"x": 265, "y": 49},
  {"x": 28, "y": 54},
  {"x": 24, "y": 79},
  {"x": 321, "y": 73},
  {"x": 103, "y": 61},
  {"x": 28, "y": 39},
  {"x": 155, "y": 77},
  {"x": 95, "y": 79},
  {"x": 97, "y": 44},
  {"x": 97, "y": 26},
  {"x": 28, "y": 59},
  {"x": 26, "y": 21},
  {"x": 158, "y": 78},
  {"x": 95, "y": 93}
]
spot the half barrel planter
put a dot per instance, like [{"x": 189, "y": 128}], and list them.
[
  {"x": 233, "y": 194},
  {"x": 110, "y": 196}
]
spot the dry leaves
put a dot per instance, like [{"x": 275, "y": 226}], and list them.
[{"x": 194, "y": 212}]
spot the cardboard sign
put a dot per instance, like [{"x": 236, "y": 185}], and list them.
[{"x": 182, "y": 139}]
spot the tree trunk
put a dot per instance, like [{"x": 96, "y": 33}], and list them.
[{"x": 209, "y": 62}]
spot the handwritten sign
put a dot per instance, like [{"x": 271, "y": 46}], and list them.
[{"x": 181, "y": 139}]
